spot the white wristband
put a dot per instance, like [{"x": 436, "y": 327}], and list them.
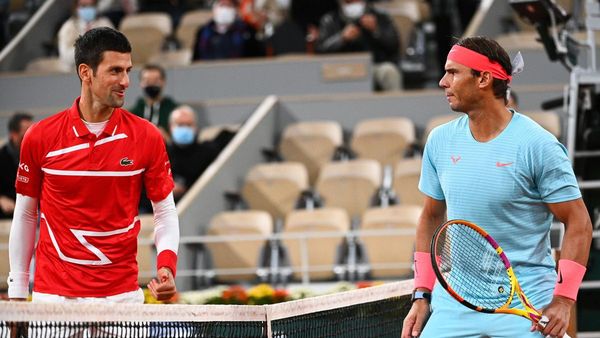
[{"x": 18, "y": 284}]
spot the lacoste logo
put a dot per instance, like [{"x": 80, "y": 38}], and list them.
[
  {"x": 125, "y": 162},
  {"x": 455, "y": 159},
  {"x": 501, "y": 164}
]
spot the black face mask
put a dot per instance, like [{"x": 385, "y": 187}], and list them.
[{"x": 152, "y": 91}]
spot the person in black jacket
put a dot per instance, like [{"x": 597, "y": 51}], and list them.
[
  {"x": 359, "y": 27},
  {"x": 9, "y": 161},
  {"x": 189, "y": 158}
]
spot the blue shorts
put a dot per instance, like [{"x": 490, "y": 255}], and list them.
[{"x": 450, "y": 319}]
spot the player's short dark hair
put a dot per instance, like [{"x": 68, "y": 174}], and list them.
[
  {"x": 14, "y": 124},
  {"x": 90, "y": 47},
  {"x": 152, "y": 66},
  {"x": 494, "y": 52}
]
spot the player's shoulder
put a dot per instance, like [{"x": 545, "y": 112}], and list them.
[
  {"x": 131, "y": 118},
  {"x": 139, "y": 124},
  {"x": 450, "y": 128},
  {"x": 49, "y": 125},
  {"x": 531, "y": 131}
]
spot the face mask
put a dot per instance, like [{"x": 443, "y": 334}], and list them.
[
  {"x": 354, "y": 10},
  {"x": 224, "y": 15},
  {"x": 87, "y": 13},
  {"x": 284, "y": 4},
  {"x": 182, "y": 135},
  {"x": 152, "y": 91}
]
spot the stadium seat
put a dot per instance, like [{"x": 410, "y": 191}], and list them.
[
  {"x": 437, "y": 121},
  {"x": 311, "y": 143},
  {"x": 549, "y": 120},
  {"x": 4, "y": 266},
  {"x": 349, "y": 184},
  {"x": 146, "y": 33},
  {"x": 406, "y": 181},
  {"x": 405, "y": 25},
  {"x": 385, "y": 140},
  {"x": 321, "y": 253},
  {"x": 405, "y": 14},
  {"x": 146, "y": 254},
  {"x": 47, "y": 65},
  {"x": 210, "y": 132},
  {"x": 238, "y": 254},
  {"x": 275, "y": 187},
  {"x": 189, "y": 25},
  {"x": 384, "y": 251},
  {"x": 166, "y": 59}
]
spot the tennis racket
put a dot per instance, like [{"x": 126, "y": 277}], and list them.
[{"x": 474, "y": 270}]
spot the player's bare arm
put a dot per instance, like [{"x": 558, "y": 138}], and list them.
[
  {"x": 575, "y": 248},
  {"x": 434, "y": 213}
]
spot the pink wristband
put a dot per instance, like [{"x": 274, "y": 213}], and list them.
[
  {"x": 570, "y": 275},
  {"x": 424, "y": 275}
]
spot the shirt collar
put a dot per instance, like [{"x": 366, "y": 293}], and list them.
[{"x": 81, "y": 130}]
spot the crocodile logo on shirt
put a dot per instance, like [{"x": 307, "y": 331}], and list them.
[{"x": 126, "y": 162}]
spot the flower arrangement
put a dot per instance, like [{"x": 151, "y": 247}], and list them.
[{"x": 260, "y": 294}]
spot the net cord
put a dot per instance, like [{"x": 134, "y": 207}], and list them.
[{"x": 77, "y": 312}]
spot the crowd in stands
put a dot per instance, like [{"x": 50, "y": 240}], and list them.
[{"x": 257, "y": 28}]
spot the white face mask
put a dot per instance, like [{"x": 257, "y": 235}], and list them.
[
  {"x": 284, "y": 4},
  {"x": 224, "y": 15},
  {"x": 354, "y": 10}
]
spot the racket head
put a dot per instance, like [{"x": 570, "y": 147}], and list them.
[{"x": 472, "y": 267}]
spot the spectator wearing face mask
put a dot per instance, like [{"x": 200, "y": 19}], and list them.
[
  {"x": 359, "y": 27},
  {"x": 226, "y": 36},
  {"x": 188, "y": 157},
  {"x": 154, "y": 106},
  {"x": 284, "y": 35},
  {"x": 85, "y": 17}
]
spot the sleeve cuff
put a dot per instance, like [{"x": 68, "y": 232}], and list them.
[
  {"x": 18, "y": 285},
  {"x": 167, "y": 259}
]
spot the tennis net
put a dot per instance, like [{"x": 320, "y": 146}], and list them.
[{"x": 376, "y": 311}]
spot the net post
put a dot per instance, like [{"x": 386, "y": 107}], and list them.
[{"x": 268, "y": 316}]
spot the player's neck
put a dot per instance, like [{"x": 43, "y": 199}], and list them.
[
  {"x": 93, "y": 111},
  {"x": 487, "y": 123}
]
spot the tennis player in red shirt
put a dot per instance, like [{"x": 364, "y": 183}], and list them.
[{"x": 81, "y": 172}]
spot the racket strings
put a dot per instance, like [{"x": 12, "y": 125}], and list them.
[{"x": 471, "y": 267}]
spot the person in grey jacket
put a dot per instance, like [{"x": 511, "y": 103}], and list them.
[{"x": 359, "y": 27}]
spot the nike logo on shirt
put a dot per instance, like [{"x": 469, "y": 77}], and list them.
[{"x": 501, "y": 164}]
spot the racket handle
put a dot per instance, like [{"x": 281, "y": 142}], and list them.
[{"x": 544, "y": 321}]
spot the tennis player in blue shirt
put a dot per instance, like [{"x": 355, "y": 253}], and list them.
[{"x": 498, "y": 169}]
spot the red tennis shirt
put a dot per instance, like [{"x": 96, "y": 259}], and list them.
[{"x": 89, "y": 189}]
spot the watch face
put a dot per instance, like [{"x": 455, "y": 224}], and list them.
[{"x": 421, "y": 295}]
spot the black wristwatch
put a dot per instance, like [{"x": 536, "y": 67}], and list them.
[{"x": 420, "y": 295}]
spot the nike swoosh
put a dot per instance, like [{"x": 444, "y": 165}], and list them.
[
  {"x": 500, "y": 164},
  {"x": 559, "y": 278}
]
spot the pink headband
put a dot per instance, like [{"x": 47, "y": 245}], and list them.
[{"x": 478, "y": 62}]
